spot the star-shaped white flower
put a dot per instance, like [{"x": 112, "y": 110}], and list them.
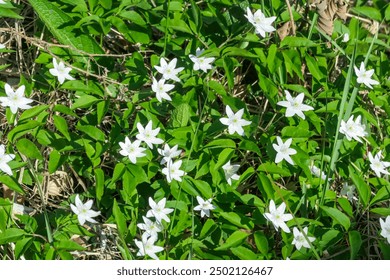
[
  {"x": 83, "y": 211},
  {"x": 364, "y": 76},
  {"x": 151, "y": 228},
  {"x": 348, "y": 191},
  {"x": 377, "y": 165},
  {"x": 283, "y": 150},
  {"x": 60, "y": 71},
  {"x": 169, "y": 70},
  {"x": 353, "y": 129},
  {"x": 204, "y": 206},
  {"x": 295, "y": 105},
  {"x": 131, "y": 150},
  {"x": 147, "y": 248},
  {"x": 161, "y": 89},
  {"x": 234, "y": 121},
  {"x": 385, "y": 226},
  {"x": 317, "y": 172},
  {"x": 168, "y": 153},
  {"x": 158, "y": 211},
  {"x": 148, "y": 135},
  {"x": 202, "y": 63},
  {"x": 277, "y": 216},
  {"x": 231, "y": 172},
  {"x": 260, "y": 22},
  {"x": 4, "y": 159},
  {"x": 300, "y": 240},
  {"x": 15, "y": 99},
  {"x": 172, "y": 171}
]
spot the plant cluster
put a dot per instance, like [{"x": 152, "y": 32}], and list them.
[{"x": 195, "y": 130}]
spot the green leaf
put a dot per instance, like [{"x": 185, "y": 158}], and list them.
[
  {"x": 11, "y": 235},
  {"x": 9, "y": 13},
  {"x": 355, "y": 242},
  {"x": 381, "y": 211},
  {"x": 32, "y": 112},
  {"x": 92, "y": 131},
  {"x": 265, "y": 186},
  {"x": 208, "y": 228},
  {"x": 237, "y": 219},
  {"x": 223, "y": 158},
  {"x": 21, "y": 246},
  {"x": 99, "y": 179},
  {"x": 61, "y": 26},
  {"x": 363, "y": 189},
  {"x": 120, "y": 220},
  {"x": 12, "y": 183},
  {"x": 337, "y": 216},
  {"x": 222, "y": 143},
  {"x": 68, "y": 245},
  {"x": 243, "y": 253},
  {"x": 62, "y": 126},
  {"x": 84, "y": 101},
  {"x": 29, "y": 149},
  {"x": 181, "y": 115},
  {"x": 369, "y": 12},
  {"x": 261, "y": 242},
  {"x": 55, "y": 161},
  {"x": 272, "y": 168},
  {"x": 291, "y": 41},
  {"x": 22, "y": 129},
  {"x": 234, "y": 240},
  {"x": 381, "y": 195}
]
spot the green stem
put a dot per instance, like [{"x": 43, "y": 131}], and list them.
[{"x": 166, "y": 29}]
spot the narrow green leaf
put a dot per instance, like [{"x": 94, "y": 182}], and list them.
[
  {"x": 261, "y": 242},
  {"x": 32, "y": 112},
  {"x": 68, "y": 245},
  {"x": 181, "y": 115},
  {"x": 84, "y": 101},
  {"x": 11, "y": 235},
  {"x": 237, "y": 220},
  {"x": 62, "y": 126},
  {"x": 120, "y": 220},
  {"x": 99, "y": 179},
  {"x": 29, "y": 149},
  {"x": 243, "y": 253},
  {"x": 355, "y": 242},
  {"x": 55, "y": 161},
  {"x": 234, "y": 240},
  {"x": 337, "y": 216},
  {"x": 291, "y": 41},
  {"x": 12, "y": 183},
  {"x": 61, "y": 26},
  {"x": 363, "y": 189}
]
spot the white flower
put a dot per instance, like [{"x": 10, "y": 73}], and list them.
[
  {"x": 15, "y": 99},
  {"x": 2, "y": 2},
  {"x": 230, "y": 172},
  {"x": 317, "y": 172},
  {"x": 172, "y": 171},
  {"x": 377, "y": 165},
  {"x": 168, "y": 153},
  {"x": 348, "y": 190},
  {"x": 60, "y": 71},
  {"x": 346, "y": 37},
  {"x": 148, "y": 135},
  {"x": 147, "y": 247},
  {"x": 364, "y": 77},
  {"x": 83, "y": 211},
  {"x": 300, "y": 240},
  {"x": 277, "y": 216},
  {"x": 353, "y": 129},
  {"x": 234, "y": 121},
  {"x": 131, "y": 150},
  {"x": 150, "y": 228},
  {"x": 260, "y": 22},
  {"x": 2, "y": 46},
  {"x": 169, "y": 71},
  {"x": 202, "y": 63},
  {"x": 294, "y": 105},
  {"x": 4, "y": 159},
  {"x": 283, "y": 150},
  {"x": 161, "y": 89},
  {"x": 204, "y": 206},
  {"x": 158, "y": 211},
  {"x": 385, "y": 228}
]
